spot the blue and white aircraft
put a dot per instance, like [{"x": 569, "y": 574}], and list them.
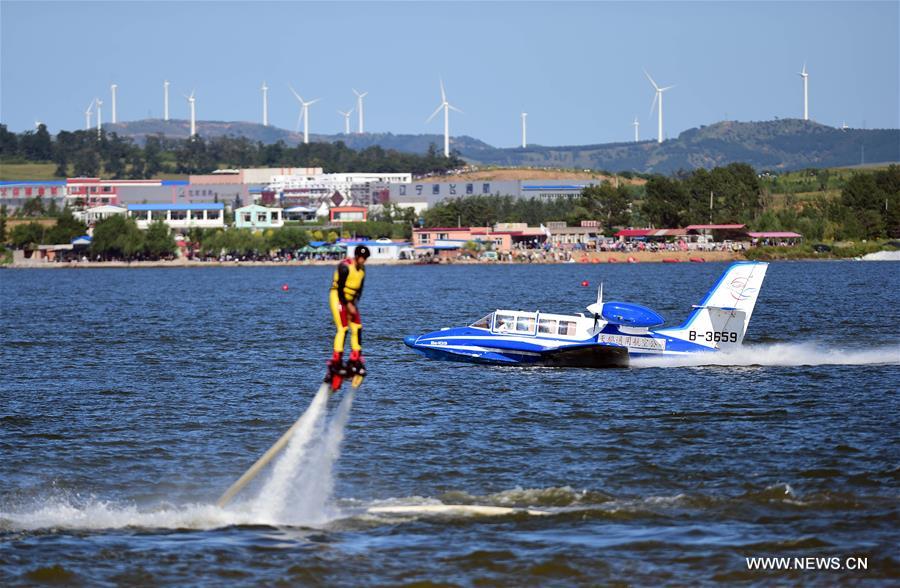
[{"x": 607, "y": 337}]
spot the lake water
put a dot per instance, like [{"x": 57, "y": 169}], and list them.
[{"x": 131, "y": 399}]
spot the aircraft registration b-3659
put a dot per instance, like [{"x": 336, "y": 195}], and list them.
[{"x": 612, "y": 333}]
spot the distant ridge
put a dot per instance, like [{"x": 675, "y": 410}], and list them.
[{"x": 784, "y": 144}]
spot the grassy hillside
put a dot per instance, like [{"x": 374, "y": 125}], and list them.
[
  {"x": 27, "y": 171},
  {"x": 44, "y": 171},
  {"x": 786, "y": 144}
]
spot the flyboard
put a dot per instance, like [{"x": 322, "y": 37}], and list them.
[{"x": 331, "y": 384}]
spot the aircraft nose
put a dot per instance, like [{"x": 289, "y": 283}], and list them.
[{"x": 410, "y": 340}]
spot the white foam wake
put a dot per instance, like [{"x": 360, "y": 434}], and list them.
[
  {"x": 778, "y": 354},
  {"x": 298, "y": 490},
  {"x": 66, "y": 512},
  {"x": 272, "y": 500}
]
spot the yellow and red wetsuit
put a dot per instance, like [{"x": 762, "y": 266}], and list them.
[{"x": 346, "y": 286}]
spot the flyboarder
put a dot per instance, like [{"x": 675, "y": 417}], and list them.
[{"x": 346, "y": 289}]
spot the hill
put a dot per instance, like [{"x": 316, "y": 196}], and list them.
[
  {"x": 785, "y": 144},
  {"x": 180, "y": 129}
]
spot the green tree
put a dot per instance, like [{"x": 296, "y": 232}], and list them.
[
  {"x": 288, "y": 239},
  {"x": 117, "y": 236},
  {"x": 136, "y": 165},
  {"x": 667, "y": 202},
  {"x": 67, "y": 227},
  {"x": 9, "y": 143},
  {"x": 611, "y": 206},
  {"x": 87, "y": 163},
  {"x": 27, "y": 236},
  {"x": 33, "y": 207},
  {"x": 158, "y": 240},
  {"x": 3, "y": 217},
  {"x": 62, "y": 164},
  {"x": 152, "y": 157}
]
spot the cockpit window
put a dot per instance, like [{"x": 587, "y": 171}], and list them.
[
  {"x": 525, "y": 324},
  {"x": 504, "y": 322},
  {"x": 547, "y": 326},
  {"x": 567, "y": 328},
  {"x": 483, "y": 322}
]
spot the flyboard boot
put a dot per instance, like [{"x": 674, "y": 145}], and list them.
[
  {"x": 356, "y": 368},
  {"x": 336, "y": 372}
]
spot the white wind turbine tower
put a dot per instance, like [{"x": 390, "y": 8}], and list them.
[
  {"x": 99, "y": 116},
  {"x": 346, "y": 116},
  {"x": 304, "y": 113},
  {"x": 658, "y": 98},
  {"x": 165, "y": 100},
  {"x": 524, "y": 128},
  {"x": 359, "y": 107},
  {"x": 803, "y": 74},
  {"x": 193, "y": 102},
  {"x": 447, "y": 108},
  {"x": 87, "y": 116},
  {"x": 112, "y": 90},
  {"x": 637, "y": 125},
  {"x": 265, "y": 93}
]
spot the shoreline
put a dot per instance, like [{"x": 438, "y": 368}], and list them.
[{"x": 591, "y": 257}]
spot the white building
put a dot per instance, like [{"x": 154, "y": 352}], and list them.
[
  {"x": 384, "y": 250},
  {"x": 179, "y": 216},
  {"x": 98, "y": 213},
  {"x": 363, "y": 189}
]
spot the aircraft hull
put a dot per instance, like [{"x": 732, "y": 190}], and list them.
[{"x": 502, "y": 353}]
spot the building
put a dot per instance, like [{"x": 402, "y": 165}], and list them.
[
  {"x": 98, "y": 213},
  {"x": 179, "y": 216},
  {"x": 421, "y": 195},
  {"x": 90, "y": 192},
  {"x": 14, "y": 193},
  {"x": 255, "y": 216},
  {"x": 300, "y": 213},
  {"x": 384, "y": 249},
  {"x": 349, "y": 214},
  {"x": 237, "y": 187},
  {"x": 443, "y": 238},
  {"x": 323, "y": 191},
  {"x": 561, "y": 235}
]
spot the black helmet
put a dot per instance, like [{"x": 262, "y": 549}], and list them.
[{"x": 362, "y": 251}]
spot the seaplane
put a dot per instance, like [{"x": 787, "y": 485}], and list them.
[{"x": 609, "y": 335}]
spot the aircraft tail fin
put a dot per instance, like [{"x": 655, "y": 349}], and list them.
[{"x": 720, "y": 320}]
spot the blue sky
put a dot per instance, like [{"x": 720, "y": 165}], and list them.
[{"x": 576, "y": 68}]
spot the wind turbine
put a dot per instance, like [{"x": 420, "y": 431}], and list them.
[
  {"x": 447, "y": 108},
  {"x": 637, "y": 135},
  {"x": 658, "y": 98},
  {"x": 112, "y": 89},
  {"x": 99, "y": 116},
  {"x": 346, "y": 116},
  {"x": 193, "y": 102},
  {"x": 87, "y": 116},
  {"x": 524, "y": 128},
  {"x": 304, "y": 113},
  {"x": 265, "y": 93},
  {"x": 359, "y": 107},
  {"x": 165, "y": 100},
  {"x": 803, "y": 74}
]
